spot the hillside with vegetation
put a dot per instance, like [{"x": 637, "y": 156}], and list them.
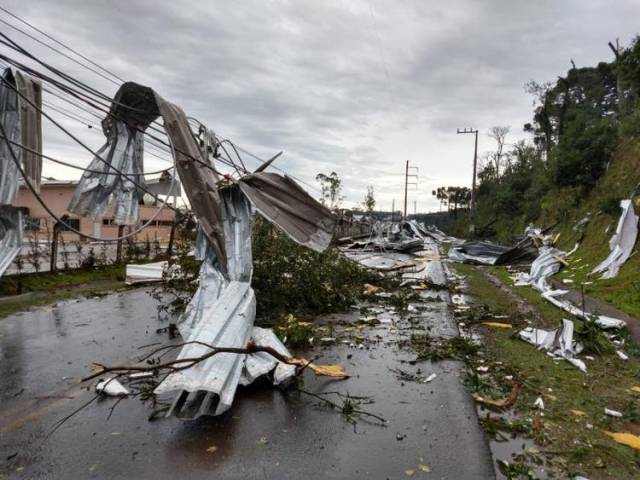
[{"x": 582, "y": 158}]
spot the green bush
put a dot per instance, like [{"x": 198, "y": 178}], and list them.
[{"x": 289, "y": 278}]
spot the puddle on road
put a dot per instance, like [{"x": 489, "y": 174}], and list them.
[{"x": 268, "y": 433}]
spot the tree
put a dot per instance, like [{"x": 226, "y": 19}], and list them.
[
  {"x": 369, "y": 202},
  {"x": 454, "y": 197},
  {"x": 331, "y": 186},
  {"x": 441, "y": 195},
  {"x": 499, "y": 134}
]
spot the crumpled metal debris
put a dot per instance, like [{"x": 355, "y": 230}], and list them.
[
  {"x": 144, "y": 272},
  {"x": 22, "y": 122},
  {"x": 222, "y": 311},
  {"x": 603, "y": 321},
  {"x": 261, "y": 363},
  {"x": 487, "y": 253},
  {"x": 111, "y": 387},
  {"x": 484, "y": 253},
  {"x": 285, "y": 204},
  {"x": 438, "y": 235},
  {"x": 557, "y": 343},
  {"x": 622, "y": 242},
  {"x": 404, "y": 237},
  {"x": 548, "y": 263},
  {"x": 11, "y": 228},
  {"x": 21, "y": 119},
  {"x": 124, "y": 151}
]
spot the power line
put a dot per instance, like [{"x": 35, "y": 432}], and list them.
[
  {"x": 77, "y": 167},
  {"x": 21, "y": 20},
  {"x": 62, "y": 222},
  {"x": 77, "y": 140},
  {"x": 57, "y": 51},
  {"x": 111, "y": 73},
  {"x": 91, "y": 91},
  {"x": 101, "y": 96}
]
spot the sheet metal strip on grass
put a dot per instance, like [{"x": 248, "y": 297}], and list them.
[{"x": 622, "y": 242}]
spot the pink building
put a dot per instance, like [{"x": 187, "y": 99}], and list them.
[{"x": 58, "y": 193}]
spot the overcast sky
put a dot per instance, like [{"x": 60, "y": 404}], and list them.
[{"x": 356, "y": 87}]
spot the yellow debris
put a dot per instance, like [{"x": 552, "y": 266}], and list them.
[
  {"x": 628, "y": 439},
  {"x": 424, "y": 468},
  {"x": 635, "y": 389},
  {"x": 578, "y": 413},
  {"x": 329, "y": 370},
  {"x": 409, "y": 472},
  {"x": 323, "y": 370},
  {"x": 497, "y": 325}
]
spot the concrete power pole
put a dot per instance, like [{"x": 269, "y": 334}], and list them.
[
  {"x": 393, "y": 210},
  {"x": 475, "y": 163},
  {"x": 407, "y": 183}
]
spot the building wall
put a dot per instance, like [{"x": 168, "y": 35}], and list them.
[{"x": 57, "y": 197}]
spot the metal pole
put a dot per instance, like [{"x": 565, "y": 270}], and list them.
[
  {"x": 53, "y": 261},
  {"x": 406, "y": 182},
  {"x": 119, "y": 244}
]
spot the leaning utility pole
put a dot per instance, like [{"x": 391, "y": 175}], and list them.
[
  {"x": 475, "y": 163},
  {"x": 407, "y": 183}
]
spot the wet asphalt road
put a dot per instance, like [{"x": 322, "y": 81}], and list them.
[{"x": 45, "y": 351}]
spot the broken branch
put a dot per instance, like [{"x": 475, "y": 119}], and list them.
[{"x": 185, "y": 363}]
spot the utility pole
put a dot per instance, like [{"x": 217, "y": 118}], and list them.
[
  {"x": 475, "y": 163},
  {"x": 407, "y": 183},
  {"x": 415, "y": 207},
  {"x": 393, "y": 210}
]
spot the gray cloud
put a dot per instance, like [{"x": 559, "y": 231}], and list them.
[{"x": 356, "y": 87}]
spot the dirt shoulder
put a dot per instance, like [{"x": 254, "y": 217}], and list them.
[{"x": 569, "y": 434}]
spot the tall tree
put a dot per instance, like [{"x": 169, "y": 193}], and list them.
[
  {"x": 331, "y": 186},
  {"x": 369, "y": 202},
  {"x": 499, "y": 134}
]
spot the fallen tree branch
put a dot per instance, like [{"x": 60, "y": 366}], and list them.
[{"x": 185, "y": 363}]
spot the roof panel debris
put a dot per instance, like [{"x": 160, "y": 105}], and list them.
[
  {"x": 222, "y": 311},
  {"x": 144, "y": 273},
  {"x": 23, "y": 126},
  {"x": 622, "y": 242},
  {"x": 11, "y": 228}
]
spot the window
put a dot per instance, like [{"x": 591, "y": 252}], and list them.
[
  {"x": 73, "y": 223},
  {"x": 31, "y": 224}
]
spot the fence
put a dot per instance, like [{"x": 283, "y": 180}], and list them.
[
  {"x": 350, "y": 230},
  {"x": 35, "y": 255}
]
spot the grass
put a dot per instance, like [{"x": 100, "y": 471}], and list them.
[
  {"x": 51, "y": 287},
  {"x": 577, "y": 442},
  {"x": 622, "y": 176}
]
